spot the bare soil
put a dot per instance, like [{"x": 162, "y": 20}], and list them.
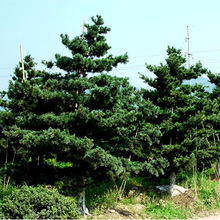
[{"x": 185, "y": 199}]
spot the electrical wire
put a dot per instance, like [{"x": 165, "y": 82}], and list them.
[{"x": 146, "y": 56}]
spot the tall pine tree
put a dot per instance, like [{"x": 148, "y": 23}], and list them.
[
  {"x": 100, "y": 124},
  {"x": 214, "y": 116},
  {"x": 180, "y": 105}
]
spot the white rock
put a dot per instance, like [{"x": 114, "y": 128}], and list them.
[{"x": 175, "y": 190}]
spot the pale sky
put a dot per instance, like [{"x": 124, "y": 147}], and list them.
[{"x": 143, "y": 28}]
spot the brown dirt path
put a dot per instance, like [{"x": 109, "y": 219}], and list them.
[{"x": 215, "y": 216}]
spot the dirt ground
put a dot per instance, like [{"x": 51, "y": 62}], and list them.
[
  {"x": 214, "y": 217},
  {"x": 124, "y": 212},
  {"x": 136, "y": 211}
]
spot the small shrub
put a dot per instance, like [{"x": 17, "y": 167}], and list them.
[{"x": 38, "y": 203}]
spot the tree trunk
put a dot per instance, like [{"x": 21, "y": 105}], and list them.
[
  {"x": 172, "y": 182},
  {"x": 81, "y": 204},
  {"x": 218, "y": 169}
]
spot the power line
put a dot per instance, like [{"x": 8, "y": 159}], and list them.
[
  {"x": 135, "y": 57},
  {"x": 205, "y": 51},
  {"x": 3, "y": 68},
  {"x": 156, "y": 55}
]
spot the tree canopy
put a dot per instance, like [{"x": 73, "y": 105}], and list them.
[
  {"x": 101, "y": 124},
  {"x": 184, "y": 113}
]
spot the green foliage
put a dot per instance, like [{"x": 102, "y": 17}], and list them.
[
  {"x": 108, "y": 199},
  {"x": 186, "y": 115},
  {"x": 6, "y": 191},
  {"x": 101, "y": 195},
  {"x": 164, "y": 209},
  {"x": 53, "y": 162},
  {"x": 208, "y": 196},
  {"x": 100, "y": 124},
  {"x": 89, "y": 51},
  {"x": 38, "y": 203},
  {"x": 95, "y": 127}
]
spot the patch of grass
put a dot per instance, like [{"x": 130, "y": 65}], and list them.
[
  {"x": 107, "y": 200},
  {"x": 140, "y": 199},
  {"x": 164, "y": 209},
  {"x": 209, "y": 195}
]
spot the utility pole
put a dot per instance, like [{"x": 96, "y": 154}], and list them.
[
  {"x": 22, "y": 65},
  {"x": 77, "y": 91},
  {"x": 83, "y": 28},
  {"x": 188, "y": 53}
]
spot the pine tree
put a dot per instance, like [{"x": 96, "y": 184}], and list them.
[
  {"x": 21, "y": 107},
  {"x": 180, "y": 107},
  {"x": 214, "y": 116},
  {"x": 89, "y": 52},
  {"x": 100, "y": 124}
]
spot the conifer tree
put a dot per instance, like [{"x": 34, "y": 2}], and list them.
[
  {"x": 100, "y": 124},
  {"x": 20, "y": 110},
  {"x": 214, "y": 118},
  {"x": 180, "y": 105},
  {"x": 89, "y": 52}
]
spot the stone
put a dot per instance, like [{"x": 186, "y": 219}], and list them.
[{"x": 175, "y": 190}]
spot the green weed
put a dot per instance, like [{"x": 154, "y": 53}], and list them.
[
  {"x": 164, "y": 209},
  {"x": 5, "y": 192}
]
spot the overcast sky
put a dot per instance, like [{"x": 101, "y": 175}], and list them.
[{"x": 143, "y": 28}]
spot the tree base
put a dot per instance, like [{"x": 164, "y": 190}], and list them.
[
  {"x": 172, "y": 182},
  {"x": 218, "y": 170},
  {"x": 81, "y": 204}
]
